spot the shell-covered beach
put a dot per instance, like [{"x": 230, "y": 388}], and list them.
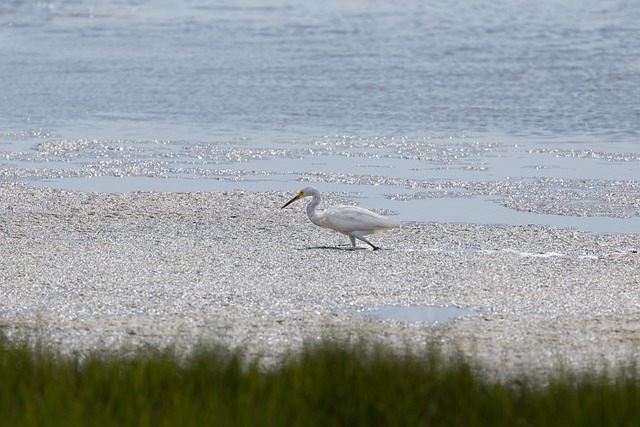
[{"x": 87, "y": 271}]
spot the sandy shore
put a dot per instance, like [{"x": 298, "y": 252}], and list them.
[{"x": 93, "y": 271}]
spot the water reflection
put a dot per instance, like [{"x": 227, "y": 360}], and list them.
[{"x": 418, "y": 313}]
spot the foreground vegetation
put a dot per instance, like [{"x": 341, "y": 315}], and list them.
[{"x": 331, "y": 384}]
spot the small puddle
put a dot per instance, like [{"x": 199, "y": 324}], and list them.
[{"x": 417, "y": 313}]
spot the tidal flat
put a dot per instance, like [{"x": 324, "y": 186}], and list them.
[{"x": 89, "y": 271}]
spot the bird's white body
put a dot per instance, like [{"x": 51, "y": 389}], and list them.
[{"x": 352, "y": 221}]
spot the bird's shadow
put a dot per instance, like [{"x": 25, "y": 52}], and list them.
[{"x": 344, "y": 248}]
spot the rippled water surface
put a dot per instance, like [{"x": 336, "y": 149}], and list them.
[{"x": 474, "y": 111}]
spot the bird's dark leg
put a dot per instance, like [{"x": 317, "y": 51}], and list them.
[{"x": 375, "y": 248}]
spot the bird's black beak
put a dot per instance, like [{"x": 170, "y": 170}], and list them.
[{"x": 292, "y": 200}]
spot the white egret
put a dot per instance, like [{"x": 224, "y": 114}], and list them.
[{"x": 353, "y": 221}]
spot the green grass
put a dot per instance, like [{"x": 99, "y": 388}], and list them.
[{"x": 329, "y": 384}]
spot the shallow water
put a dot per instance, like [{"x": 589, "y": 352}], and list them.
[
  {"x": 417, "y": 313},
  {"x": 511, "y": 112}
]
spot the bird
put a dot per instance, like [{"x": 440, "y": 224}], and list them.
[{"x": 352, "y": 221}]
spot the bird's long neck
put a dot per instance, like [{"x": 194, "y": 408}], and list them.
[{"x": 314, "y": 216}]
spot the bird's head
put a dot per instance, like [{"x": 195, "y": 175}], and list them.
[{"x": 305, "y": 192}]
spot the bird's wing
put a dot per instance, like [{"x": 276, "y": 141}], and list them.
[{"x": 348, "y": 219}]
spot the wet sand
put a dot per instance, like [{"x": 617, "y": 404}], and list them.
[{"x": 88, "y": 271}]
